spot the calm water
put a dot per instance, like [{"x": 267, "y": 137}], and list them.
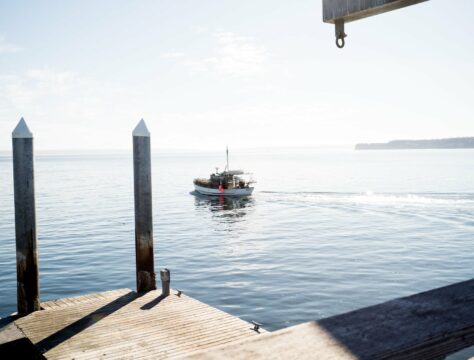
[{"x": 326, "y": 231}]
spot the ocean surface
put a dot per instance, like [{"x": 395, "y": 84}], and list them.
[{"x": 326, "y": 231}]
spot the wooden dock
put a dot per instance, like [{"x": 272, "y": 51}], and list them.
[
  {"x": 121, "y": 324},
  {"x": 426, "y": 326}
]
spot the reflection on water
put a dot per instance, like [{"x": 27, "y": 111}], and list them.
[
  {"x": 224, "y": 206},
  {"x": 230, "y": 218}
]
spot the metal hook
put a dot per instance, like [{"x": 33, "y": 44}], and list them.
[
  {"x": 340, "y": 34},
  {"x": 340, "y": 42}
]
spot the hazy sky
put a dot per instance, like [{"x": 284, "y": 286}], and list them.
[{"x": 247, "y": 73}]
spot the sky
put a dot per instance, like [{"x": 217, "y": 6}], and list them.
[{"x": 247, "y": 73}]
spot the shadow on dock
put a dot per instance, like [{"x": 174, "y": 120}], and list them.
[
  {"x": 80, "y": 325},
  {"x": 112, "y": 324},
  {"x": 14, "y": 344},
  {"x": 429, "y": 325},
  {"x": 153, "y": 303}
]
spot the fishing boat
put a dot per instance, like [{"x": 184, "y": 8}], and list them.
[{"x": 225, "y": 183}]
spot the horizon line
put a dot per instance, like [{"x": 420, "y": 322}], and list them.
[{"x": 188, "y": 149}]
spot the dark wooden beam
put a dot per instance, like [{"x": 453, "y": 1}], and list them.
[
  {"x": 350, "y": 10},
  {"x": 428, "y": 325},
  {"x": 425, "y": 326}
]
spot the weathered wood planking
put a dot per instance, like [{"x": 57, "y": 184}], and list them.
[
  {"x": 123, "y": 324},
  {"x": 429, "y": 325},
  {"x": 350, "y": 10}
]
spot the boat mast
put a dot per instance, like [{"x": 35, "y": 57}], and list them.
[{"x": 227, "y": 155}]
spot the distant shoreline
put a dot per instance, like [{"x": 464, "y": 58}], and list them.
[{"x": 448, "y": 143}]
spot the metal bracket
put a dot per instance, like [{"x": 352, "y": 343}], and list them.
[
  {"x": 256, "y": 326},
  {"x": 340, "y": 34}
]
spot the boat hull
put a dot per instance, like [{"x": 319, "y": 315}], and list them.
[{"x": 227, "y": 192}]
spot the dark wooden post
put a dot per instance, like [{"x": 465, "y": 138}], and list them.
[
  {"x": 25, "y": 220},
  {"x": 143, "y": 209}
]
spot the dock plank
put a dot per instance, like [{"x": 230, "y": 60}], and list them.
[
  {"x": 428, "y": 325},
  {"x": 122, "y": 324}
]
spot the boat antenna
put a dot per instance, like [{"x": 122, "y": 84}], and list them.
[{"x": 227, "y": 155}]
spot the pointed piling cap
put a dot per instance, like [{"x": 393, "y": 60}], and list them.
[
  {"x": 21, "y": 130},
  {"x": 141, "y": 129}
]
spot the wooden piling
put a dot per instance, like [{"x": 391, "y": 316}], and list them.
[
  {"x": 143, "y": 209},
  {"x": 28, "y": 298}
]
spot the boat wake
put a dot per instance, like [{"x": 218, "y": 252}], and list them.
[{"x": 406, "y": 199}]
